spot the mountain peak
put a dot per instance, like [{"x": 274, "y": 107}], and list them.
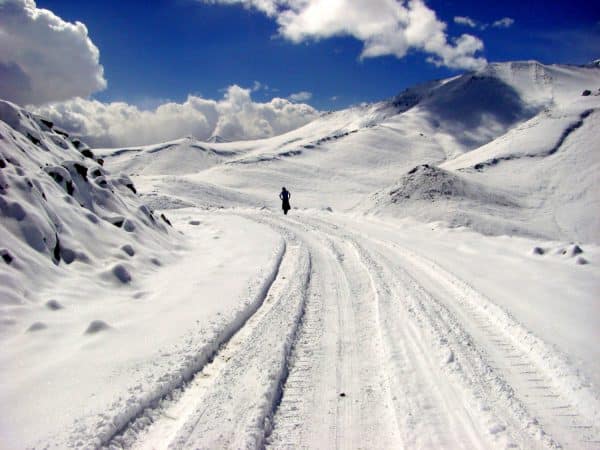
[{"x": 216, "y": 139}]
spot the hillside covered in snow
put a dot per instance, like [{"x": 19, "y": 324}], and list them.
[
  {"x": 524, "y": 130},
  {"x": 435, "y": 285}
]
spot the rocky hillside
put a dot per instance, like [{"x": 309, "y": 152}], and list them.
[{"x": 60, "y": 209}]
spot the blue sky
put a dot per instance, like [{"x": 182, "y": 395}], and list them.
[{"x": 167, "y": 49}]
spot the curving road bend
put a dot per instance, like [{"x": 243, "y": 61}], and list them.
[{"x": 362, "y": 343}]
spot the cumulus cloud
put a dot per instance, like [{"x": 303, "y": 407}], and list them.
[
  {"x": 467, "y": 21},
  {"x": 235, "y": 117},
  {"x": 386, "y": 27},
  {"x": 44, "y": 58},
  {"x": 301, "y": 96},
  {"x": 505, "y": 22}
]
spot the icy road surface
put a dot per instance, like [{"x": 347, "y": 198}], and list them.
[{"x": 361, "y": 341}]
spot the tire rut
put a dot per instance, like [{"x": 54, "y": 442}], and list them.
[
  {"x": 539, "y": 377},
  {"x": 540, "y": 392},
  {"x": 194, "y": 416},
  {"x": 488, "y": 399},
  {"x": 337, "y": 395},
  {"x": 150, "y": 410},
  {"x": 236, "y": 404}
]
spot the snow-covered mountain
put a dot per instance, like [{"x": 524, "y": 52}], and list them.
[
  {"x": 428, "y": 232},
  {"x": 524, "y": 130},
  {"x": 216, "y": 138}
]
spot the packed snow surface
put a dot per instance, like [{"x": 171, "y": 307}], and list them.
[{"x": 436, "y": 284}]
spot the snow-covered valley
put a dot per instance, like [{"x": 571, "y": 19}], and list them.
[{"x": 436, "y": 284}]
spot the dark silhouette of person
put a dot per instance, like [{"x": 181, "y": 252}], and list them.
[{"x": 285, "y": 200}]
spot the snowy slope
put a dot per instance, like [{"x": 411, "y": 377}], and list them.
[
  {"x": 185, "y": 155},
  {"x": 55, "y": 196},
  {"x": 544, "y": 166},
  {"x": 523, "y": 129}
]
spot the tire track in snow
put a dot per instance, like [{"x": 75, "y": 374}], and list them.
[
  {"x": 539, "y": 377},
  {"x": 421, "y": 357},
  {"x": 488, "y": 400},
  {"x": 127, "y": 429},
  {"x": 469, "y": 402},
  {"x": 130, "y": 423},
  {"x": 401, "y": 389},
  {"x": 229, "y": 403},
  {"x": 336, "y": 395},
  {"x": 537, "y": 390},
  {"x": 427, "y": 408}
]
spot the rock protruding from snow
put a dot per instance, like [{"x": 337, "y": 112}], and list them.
[
  {"x": 96, "y": 326},
  {"x": 595, "y": 63},
  {"x": 37, "y": 326},
  {"x": 58, "y": 205},
  {"x": 53, "y": 305},
  {"x": 127, "y": 248}
]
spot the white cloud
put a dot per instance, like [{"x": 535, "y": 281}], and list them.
[
  {"x": 301, "y": 96},
  {"x": 386, "y": 27},
  {"x": 505, "y": 22},
  {"x": 43, "y": 58},
  {"x": 257, "y": 86},
  {"x": 467, "y": 21},
  {"x": 234, "y": 117}
]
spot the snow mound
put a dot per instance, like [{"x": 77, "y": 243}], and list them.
[
  {"x": 430, "y": 183},
  {"x": 59, "y": 205},
  {"x": 434, "y": 194}
]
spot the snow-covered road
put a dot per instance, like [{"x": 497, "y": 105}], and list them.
[{"x": 362, "y": 342}]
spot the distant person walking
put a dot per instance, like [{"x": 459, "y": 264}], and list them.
[{"x": 285, "y": 200}]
